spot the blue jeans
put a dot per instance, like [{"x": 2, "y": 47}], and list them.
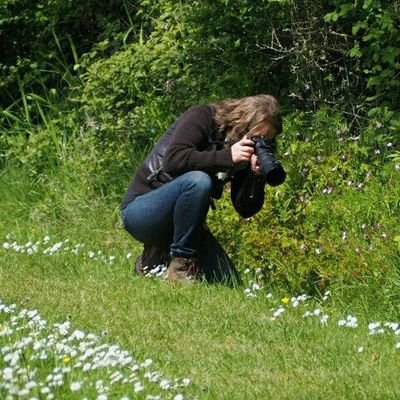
[{"x": 171, "y": 215}]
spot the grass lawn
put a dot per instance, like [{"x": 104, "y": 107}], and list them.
[{"x": 205, "y": 342}]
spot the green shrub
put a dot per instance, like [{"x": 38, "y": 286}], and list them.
[
  {"x": 337, "y": 215},
  {"x": 374, "y": 34}
]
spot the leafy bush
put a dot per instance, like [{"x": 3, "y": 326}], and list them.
[{"x": 375, "y": 40}]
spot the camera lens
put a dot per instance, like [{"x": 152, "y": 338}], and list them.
[{"x": 270, "y": 167}]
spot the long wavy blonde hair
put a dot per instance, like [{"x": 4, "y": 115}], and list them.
[{"x": 239, "y": 116}]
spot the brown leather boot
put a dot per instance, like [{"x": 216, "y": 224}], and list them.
[{"x": 182, "y": 270}]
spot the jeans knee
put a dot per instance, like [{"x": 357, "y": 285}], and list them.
[{"x": 200, "y": 180}]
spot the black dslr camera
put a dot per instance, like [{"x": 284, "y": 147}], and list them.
[{"x": 271, "y": 169}]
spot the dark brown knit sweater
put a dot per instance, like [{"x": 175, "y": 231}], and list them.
[{"x": 189, "y": 149}]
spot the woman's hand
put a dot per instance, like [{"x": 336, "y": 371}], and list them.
[
  {"x": 242, "y": 150},
  {"x": 255, "y": 167}
]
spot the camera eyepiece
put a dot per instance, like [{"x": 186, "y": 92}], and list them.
[{"x": 270, "y": 167}]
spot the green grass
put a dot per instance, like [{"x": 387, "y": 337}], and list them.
[{"x": 225, "y": 342}]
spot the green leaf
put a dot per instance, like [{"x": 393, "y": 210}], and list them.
[
  {"x": 355, "y": 52},
  {"x": 333, "y": 16},
  {"x": 345, "y": 9},
  {"x": 357, "y": 26}
]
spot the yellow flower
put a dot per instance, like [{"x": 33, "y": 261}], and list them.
[
  {"x": 285, "y": 300},
  {"x": 67, "y": 359},
  {"x": 33, "y": 230}
]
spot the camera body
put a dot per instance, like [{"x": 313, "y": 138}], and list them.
[{"x": 270, "y": 168}]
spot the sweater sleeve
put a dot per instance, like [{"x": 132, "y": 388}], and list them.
[
  {"x": 189, "y": 148},
  {"x": 247, "y": 192}
]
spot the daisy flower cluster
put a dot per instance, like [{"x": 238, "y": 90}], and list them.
[
  {"x": 157, "y": 271},
  {"x": 295, "y": 302},
  {"x": 39, "y": 361},
  {"x": 50, "y": 248},
  {"x": 65, "y": 247},
  {"x": 376, "y": 328},
  {"x": 349, "y": 321},
  {"x": 254, "y": 286}
]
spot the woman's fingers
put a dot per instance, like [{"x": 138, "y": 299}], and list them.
[
  {"x": 242, "y": 151},
  {"x": 255, "y": 167}
]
